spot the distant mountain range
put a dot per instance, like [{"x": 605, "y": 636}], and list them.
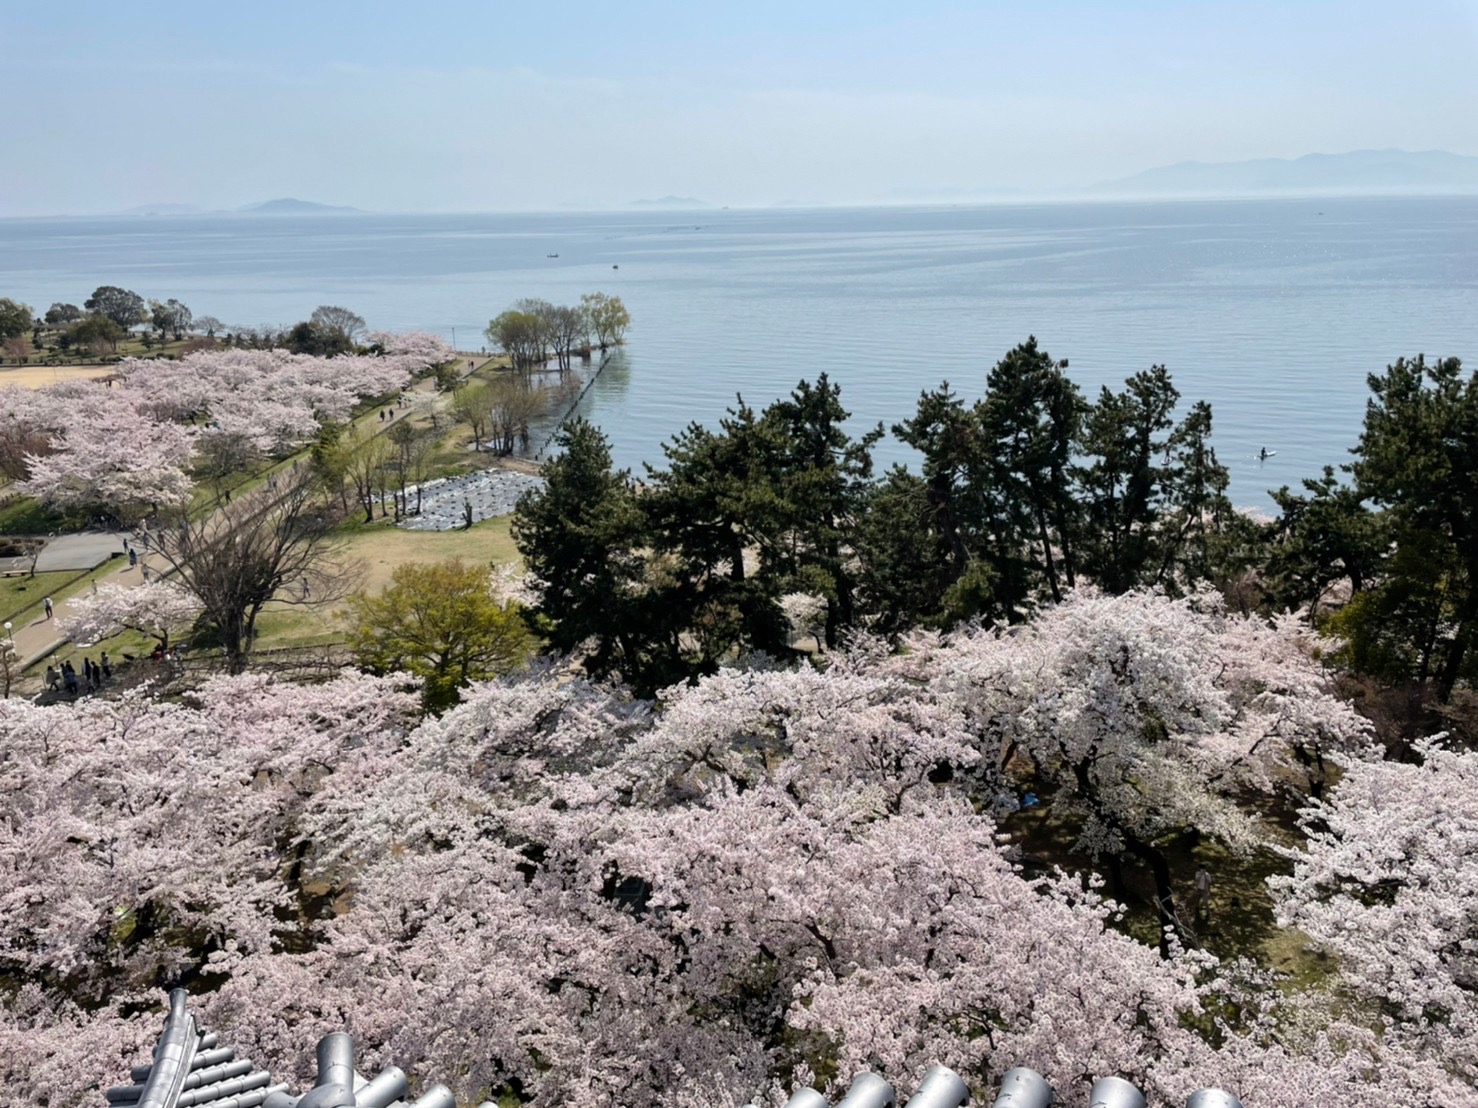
[
  {"x": 284, "y": 206},
  {"x": 670, "y": 203},
  {"x": 1362, "y": 171}
]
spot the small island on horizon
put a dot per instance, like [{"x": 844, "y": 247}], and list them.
[{"x": 286, "y": 205}]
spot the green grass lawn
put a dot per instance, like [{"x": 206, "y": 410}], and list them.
[
  {"x": 129, "y": 642},
  {"x": 378, "y": 548},
  {"x": 19, "y": 593},
  {"x": 382, "y": 547}
]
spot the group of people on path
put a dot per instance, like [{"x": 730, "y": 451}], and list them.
[
  {"x": 133, "y": 554},
  {"x": 93, "y": 675},
  {"x": 388, "y": 414}
]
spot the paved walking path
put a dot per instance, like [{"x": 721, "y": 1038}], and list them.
[{"x": 39, "y": 636}]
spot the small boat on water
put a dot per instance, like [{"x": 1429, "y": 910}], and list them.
[{"x": 551, "y": 255}]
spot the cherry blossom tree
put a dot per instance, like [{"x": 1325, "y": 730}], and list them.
[
  {"x": 559, "y": 894},
  {"x": 1140, "y": 716},
  {"x": 430, "y": 349},
  {"x": 125, "y": 447},
  {"x": 107, "y": 454},
  {"x": 156, "y": 608},
  {"x": 1387, "y": 881}
]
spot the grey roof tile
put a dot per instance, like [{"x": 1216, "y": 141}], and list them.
[{"x": 191, "y": 1070}]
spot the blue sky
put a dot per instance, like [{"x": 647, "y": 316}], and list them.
[{"x": 459, "y": 106}]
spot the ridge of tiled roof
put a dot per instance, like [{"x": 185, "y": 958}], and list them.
[
  {"x": 191, "y": 1070},
  {"x": 1020, "y": 1088}
]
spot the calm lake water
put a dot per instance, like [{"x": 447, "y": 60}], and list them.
[{"x": 1272, "y": 310}]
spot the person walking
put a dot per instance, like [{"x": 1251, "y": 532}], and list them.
[
  {"x": 69, "y": 678},
  {"x": 1203, "y": 893},
  {"x": 107, "y": 666},
  {"x": 133, "y": 558},
  {"x": 53, "y": 679},
  {"x": 46, "y": 603}
]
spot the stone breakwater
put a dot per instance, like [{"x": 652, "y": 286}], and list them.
[{"x": 491, "y": 492}]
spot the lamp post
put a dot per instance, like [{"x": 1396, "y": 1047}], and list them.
[{"x": 9, "y": 634}]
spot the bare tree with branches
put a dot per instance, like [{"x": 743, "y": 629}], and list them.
[
  {"x": 270, "y": 546},
  {"x": 339, "y": 320}
]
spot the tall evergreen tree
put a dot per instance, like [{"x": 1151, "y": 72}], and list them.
[
  {"x": 1120, "y": 475},
  {"x": 823, "y": 482},
  {"x": 1417, "y": 457},
  {"x": 583, "y": 536},
  {"x": 1029, "y": 420}
]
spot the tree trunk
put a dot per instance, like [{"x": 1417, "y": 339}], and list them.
[
  {"x": 1047, "y": 556},
  {"x": 1453, "y": 665},
  {"x": 1164, "y": 894}
]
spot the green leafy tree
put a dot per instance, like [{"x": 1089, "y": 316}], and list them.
[
  {"x": 59, "y": 315},
  {"x": 763, "y": 507},
  {"x": 1029, "y": 421},
  {"x": 963, "y": 504},
  {"x": 97, "y": 333},
  {"x": 1417, "y": 457},
  {"x": 122, "y": 306},
  {"x": 170, "y": 318},
  {"x": 906, "y": 576},
  {"x": 311, "y": 338},
  {"x": 715, "y": 516},
  {"x": 442, "y": 622},
  {"x": 15, "y": 319},
  {"x": 1400, "y": 630},
  {"x": 824, "y": 474},
  {"x": 522, "y": 335}
]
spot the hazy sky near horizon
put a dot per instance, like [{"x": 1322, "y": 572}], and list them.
[{"x": 467, "y": 105}]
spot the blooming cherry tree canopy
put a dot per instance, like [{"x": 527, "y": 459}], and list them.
[
  {"x": 562, "y": 895},
  {"x": 125, "y": 445},
  {"x": 155, "y": 608}
]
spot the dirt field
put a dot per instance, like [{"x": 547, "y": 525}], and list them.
[{"x": 34, "y": 376}]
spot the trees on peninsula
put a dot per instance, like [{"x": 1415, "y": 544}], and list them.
[
  {"x": 608, "y": 318},
  {"x": 534, "y": 330}
]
